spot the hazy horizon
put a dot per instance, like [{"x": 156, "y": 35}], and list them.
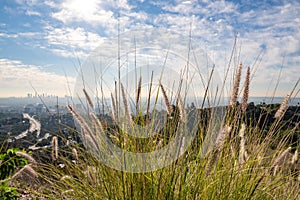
[{"x": 53, "y": 99}]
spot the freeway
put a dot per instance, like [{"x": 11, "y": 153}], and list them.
[{"x": 34, "y": 126}]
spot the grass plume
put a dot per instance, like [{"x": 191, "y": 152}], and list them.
[
  {"x": 27, "y": 156},
  {"x": 126, "y": 106},
  {"x": 283, "y": 107},
  {"x": 88, "y": 98},
  {"x": 138, "y": 94},
  {"x": 54, "y": 148},
  {"x": 246, "y": 91},
  {"x": 235, "y": 90},
  {"x": 243, "y": 153},
  {"x": 166, "y": 100},
  {"x": 235, "y": 165},
  {"x": 280, "y": 159}
]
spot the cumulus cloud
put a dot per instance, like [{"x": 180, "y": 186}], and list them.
[
  {"x": 16, "y": 79},
  {"x": 66, "y": 41},
  {"x": 96, "y": 15},
  {"x": 92, "y": 11}
]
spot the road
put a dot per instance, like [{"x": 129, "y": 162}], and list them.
[{"x": 34, "y": 126}]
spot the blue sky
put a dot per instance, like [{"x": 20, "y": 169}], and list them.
[{"x": 42, "y": 41}]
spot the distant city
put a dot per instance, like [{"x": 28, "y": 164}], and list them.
[
  {"x": 51, "y": 103},
  {"x": 30, "y": 122}
]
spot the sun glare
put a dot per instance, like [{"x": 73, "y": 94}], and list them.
[{"x": 83, "y": 7}]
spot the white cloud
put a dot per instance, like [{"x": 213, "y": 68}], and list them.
[
  {"x": 91, "y": 12},
  {"x": 63, "y": 41},
  {"x": 100, "y": 14},
  {"x": 28, "y": 34},
  {"x": 273, "y": 29},
  {"x": 15, "y": 79},
  {"x": 20, "y": 35},
  {"x": 5, "y": 35},
  {"x": 50, "y": 3},
  {"x": 28, "y": 2},
  {"x": 195, "y": 7},
  {"x": 32, "y": 13}
]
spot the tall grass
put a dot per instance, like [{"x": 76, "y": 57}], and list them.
[
  {"x": 210, "y": 177},
  {"x": 241, "y": 163},
  {"x": 239, "y": 167}
]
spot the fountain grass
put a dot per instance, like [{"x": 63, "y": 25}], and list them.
[{"x": 243, "y": 164}]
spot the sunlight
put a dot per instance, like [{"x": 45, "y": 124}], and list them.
[{"x": 83, "y": 8}]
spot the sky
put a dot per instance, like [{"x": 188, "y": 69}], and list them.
[{"x": 44, "y": 43}]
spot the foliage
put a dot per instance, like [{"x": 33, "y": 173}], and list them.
[
  {"x": 7, "y": 192},
  {"x": 252, "y": 157},
  {"x": 9, "y": 163}
]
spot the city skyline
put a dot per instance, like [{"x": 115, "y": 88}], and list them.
[{"x": 43, "y": 43}]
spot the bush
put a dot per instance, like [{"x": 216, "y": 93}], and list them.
[{"x": 9, "y": 163}]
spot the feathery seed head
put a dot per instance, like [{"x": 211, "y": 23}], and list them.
[
  {"x": 283, "y": 107},
  {"x": 88, "y": 98},
  {"x": 166, "y": 100},
  {"x": 114, "y": 107},
  {"x": 126, "y": 107},
  {"x": 295, "y": 157},
  {"x": 246, "y": 91},
  {"x": 26, "y": 174},
  {"x": 280, "y": 159},
  {"x": 81, "y": 121},
  {"x": 242, "y": 130},
  {"x": 75, "y": 154},
  {"x": 221, "y": 137},
  {"x": 138, "y": 94},
  {"x": 181, "y": 109},
  {"x": 242, "y": 153},
  {"x": 27, "y": 156},
  {"x": 54, "y": 148},
  {"x": 235, "y": 91}
]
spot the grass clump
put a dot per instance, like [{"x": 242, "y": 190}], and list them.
[
  {"x": 246, "y": 158},
  {"x": 243, "y": 163}
]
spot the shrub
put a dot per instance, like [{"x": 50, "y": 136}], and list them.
[{"x": 10, "y": 161}]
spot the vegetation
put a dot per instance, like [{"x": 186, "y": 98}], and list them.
[
  {"x": 250, "y": 157},
  {"x": 230, "y": 171},
  {"x": 10, "y": 161}
]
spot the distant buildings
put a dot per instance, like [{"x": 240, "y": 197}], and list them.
[
  {"x": 29, "y": 108},
  {"x": 35, "y": 109}
]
